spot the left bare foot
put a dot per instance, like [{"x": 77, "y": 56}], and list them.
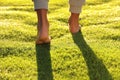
[
  {"x": 42, "y": 41},
  {"x": 43, "y": 35}
]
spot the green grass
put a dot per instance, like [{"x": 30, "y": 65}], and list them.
[{"x": 90, "y": 55}]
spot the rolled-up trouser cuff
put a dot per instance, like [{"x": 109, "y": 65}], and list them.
[
  {"x": 76, "y": 5},
  {"x": 41, "y": 4},
  {"x": 75, "y": 9}
]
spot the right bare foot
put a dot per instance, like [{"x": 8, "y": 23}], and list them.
[
  {"x": 74, "y": 26},
  {"x": 74, "y": 23}
]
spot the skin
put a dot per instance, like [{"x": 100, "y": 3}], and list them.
[{"x": 43, "y": 25}]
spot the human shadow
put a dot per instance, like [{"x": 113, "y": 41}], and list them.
[
  {"x": 43, "y": 57},
  {"x": 96, "y": 69}
]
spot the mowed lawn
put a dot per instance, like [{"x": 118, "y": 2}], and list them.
[{"x": 92, "y": 54}]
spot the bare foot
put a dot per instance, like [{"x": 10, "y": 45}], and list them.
[
  {"x": 43, "y": 36},
  {"x": 41, "y": 41}
]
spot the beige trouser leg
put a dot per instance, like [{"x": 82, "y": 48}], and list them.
[
  {"x": 75, "y": 5},
  {"x": 40, "y": 4}
]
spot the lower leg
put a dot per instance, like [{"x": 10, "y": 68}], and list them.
[
  {"x": 74, "y": 22},
  {"x": 43, "y": 27},
  {"x": 39, "y": 21},
  {"x": 75, "y": 9}
]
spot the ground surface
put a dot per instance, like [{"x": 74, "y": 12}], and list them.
[{"x": 92, "y": 54}]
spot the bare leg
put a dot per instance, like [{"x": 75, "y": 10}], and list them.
[
  {"x": 43, "y": 27},
  {"x": 39, "y": 22},
  {"x": 74, "y": 22}
]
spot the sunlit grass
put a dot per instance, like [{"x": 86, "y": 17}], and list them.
[{"x": 100, "y": 20}]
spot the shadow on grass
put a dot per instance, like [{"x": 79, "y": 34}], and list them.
[
  {"x": 96, "y": 68},
  {"x": 44, "y": 62}
]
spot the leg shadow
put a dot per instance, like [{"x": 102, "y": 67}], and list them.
[
  {"x": 43, "y": 57},
  {"x": 96, "y": 68}
]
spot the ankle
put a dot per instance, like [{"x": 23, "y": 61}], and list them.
[{"x": 74, "y": 16}]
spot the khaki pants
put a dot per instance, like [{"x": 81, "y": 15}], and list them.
[{"x": 75, "y": 5}]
